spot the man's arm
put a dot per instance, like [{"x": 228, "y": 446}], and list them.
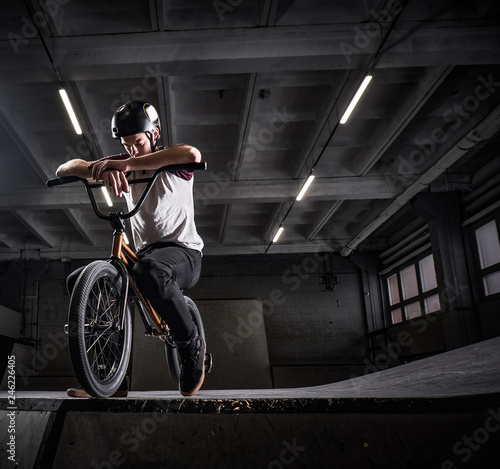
[
  {"x": 178, "y": 154},
  {"x": 112, "y": 171},
  {"x": 75, "y": 167},
  {"x": 114, "y": 179}
]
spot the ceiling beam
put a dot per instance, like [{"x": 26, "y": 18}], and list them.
[
  {"x": 20, "y": 137},
  {"x": 423, "y": 90},
  {"x": 325, "y": 128},
  {"x": 246, "y": 50},
  {"x": 43, "y": 199},
  {"x": 36, "y": 227},
  {"x": 346, "y": 188},
  {"x": 167, "y": 112},
  {"x": 354, "y": 188},
  {"x": 485, "y": 130},
  {"x": 7, "y": 241},
  {"x": 268, "y": 12},
  {"x": 323, "y": 218},
  {"x": 245, "y": 118},
  {"x": 78, "y": 221}
]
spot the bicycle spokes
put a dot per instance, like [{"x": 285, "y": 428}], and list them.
[{"x": 103, "y": 331}]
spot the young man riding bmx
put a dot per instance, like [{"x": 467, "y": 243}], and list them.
[{"x": 164, "y": 231}]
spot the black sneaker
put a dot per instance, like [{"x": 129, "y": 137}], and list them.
[{"x": 192, "y": 358}]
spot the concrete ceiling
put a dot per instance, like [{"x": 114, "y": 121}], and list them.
[{"x": 259, "y": 87}]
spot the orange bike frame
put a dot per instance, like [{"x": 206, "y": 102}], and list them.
[{"x": 121, "y": 251}]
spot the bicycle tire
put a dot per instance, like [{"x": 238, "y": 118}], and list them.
[
  {"x": 99, "y": 337},
  {"x": 171, "y": 351}
]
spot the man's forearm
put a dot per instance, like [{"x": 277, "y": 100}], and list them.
[
  {"x": 74, "y": 168},
  {"x": 173, "y": 155}
]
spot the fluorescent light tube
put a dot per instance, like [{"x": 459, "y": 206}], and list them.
[
  {"x": 305, "y": 187},
  {"x": 278, "y": 234},
  {"x": 355, "y": 100},
  {"x": 71, "y": 112},
  {"x": 106, "y": 196}
]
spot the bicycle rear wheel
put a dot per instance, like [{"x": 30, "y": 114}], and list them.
[
  {"x": 99, "y": 333},
  {"x": 173, "y": 359}
]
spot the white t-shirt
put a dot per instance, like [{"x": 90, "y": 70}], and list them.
[{"x": 167, "y": 214}]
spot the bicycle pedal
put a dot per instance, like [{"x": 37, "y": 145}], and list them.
[{"x": 208, "y": 362}]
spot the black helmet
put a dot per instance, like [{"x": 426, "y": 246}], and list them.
[{"x": 135, "y": 117}]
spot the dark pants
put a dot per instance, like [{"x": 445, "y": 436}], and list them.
[{"x": 163, "y": 271}]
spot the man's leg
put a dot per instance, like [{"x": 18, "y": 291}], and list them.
[{"x": 161, "y": 274}]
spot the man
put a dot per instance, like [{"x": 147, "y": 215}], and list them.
[{"x": 164, "y": 231}]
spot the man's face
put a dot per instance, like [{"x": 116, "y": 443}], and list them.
[{"x": 137, "y": 144}]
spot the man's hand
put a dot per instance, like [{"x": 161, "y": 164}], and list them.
[
  {"x": 116, "y": 181},
  {"x": 112, "y": 173},
  {"x": 99, "y": 167}
]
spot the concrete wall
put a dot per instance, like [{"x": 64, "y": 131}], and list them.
[{"x": 236, "y": 338}]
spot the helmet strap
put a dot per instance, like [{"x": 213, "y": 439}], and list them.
[{"x": 152, "y": 140}]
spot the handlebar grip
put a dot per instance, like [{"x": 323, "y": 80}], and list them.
[{"x": 63, "y": 180}]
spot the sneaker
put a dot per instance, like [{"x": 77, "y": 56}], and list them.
[
  {"x": 192, "y": 358},
  {"x": 80, "y": 392}
]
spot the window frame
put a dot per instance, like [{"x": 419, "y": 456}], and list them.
[
  {"x": 479, "y": 272},
  {"x": 420, "y": 297}
]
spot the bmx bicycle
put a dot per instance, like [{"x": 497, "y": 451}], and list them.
[{"x": 100, "y": 321}]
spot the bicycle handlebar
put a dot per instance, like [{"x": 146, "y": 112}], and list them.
[
  {"x": 150, "y": 181},
  {"x": 63, "y": 180}
]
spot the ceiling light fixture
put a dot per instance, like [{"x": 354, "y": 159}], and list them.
[
  {"x": 278, "y": 234},
  {"x": 106, "y": 196},
  {"x": 356, "y": 98},
  {"x": 71, "y": 112},
  {"x": 305, "y": 187}
]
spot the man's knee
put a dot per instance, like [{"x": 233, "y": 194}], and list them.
[{"x": 151, "y": 278}]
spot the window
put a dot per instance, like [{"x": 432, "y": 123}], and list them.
[
  {"x": 488, "y": 248},
  {"x": 413, "y": 290}
]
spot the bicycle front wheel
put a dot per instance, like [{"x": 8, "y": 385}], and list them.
[{"x": 100, "y": 330}]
